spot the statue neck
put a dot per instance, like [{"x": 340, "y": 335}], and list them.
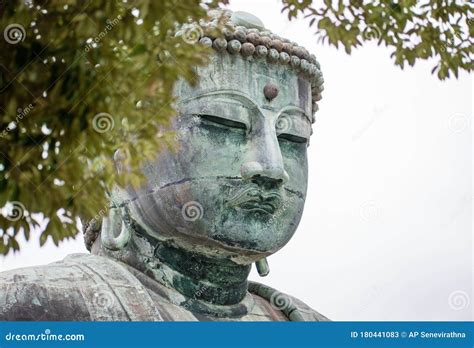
[
  {"x": 213, "y": 285},
  {"x": 198, "y": 277}
]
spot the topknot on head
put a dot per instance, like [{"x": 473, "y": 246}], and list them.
[{"x": 245, "y": 34}]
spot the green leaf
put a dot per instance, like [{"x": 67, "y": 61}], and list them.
[{"x": 139, "y": 49}]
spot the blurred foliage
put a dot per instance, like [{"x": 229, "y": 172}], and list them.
[
  {"x": 81, "y": 79},
  {"x": 415, "y": 30}
]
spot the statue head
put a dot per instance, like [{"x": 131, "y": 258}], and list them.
[{"x": 235, "y": 184}]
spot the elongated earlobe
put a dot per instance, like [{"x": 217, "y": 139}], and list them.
[
  {"x": 114, "y": 235},
  {"x": 262, "y": 267}
]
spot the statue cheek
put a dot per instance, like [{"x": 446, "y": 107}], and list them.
[
  {"x": 296, "y": 164},
  {"x": 216, "y": 153}
]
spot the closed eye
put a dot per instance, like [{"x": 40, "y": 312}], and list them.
[
  {"x": 223, "y": 121},
  {"x": 292, "y": 138}
]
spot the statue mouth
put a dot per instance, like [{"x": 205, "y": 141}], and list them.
[
  {"x": 263, "y": 207},
  {"x": 253, "y": 198}
]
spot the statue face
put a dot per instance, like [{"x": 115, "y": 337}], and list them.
[{"x": 236, "y": 183}]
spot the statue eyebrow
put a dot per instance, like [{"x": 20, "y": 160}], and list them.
[
  {"x": 245, "y": 99},
  {"x": 242, "y": 97},
  {"x": 292, "y": 108}
]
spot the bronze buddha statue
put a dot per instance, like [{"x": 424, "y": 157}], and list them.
[{"x": 180, "y": 247}]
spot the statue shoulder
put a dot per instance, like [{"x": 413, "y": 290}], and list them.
[
  {"x": 48, "y": 292},
  {"x": 81, "y": 287},
  {"x": 293, "y": 308}
]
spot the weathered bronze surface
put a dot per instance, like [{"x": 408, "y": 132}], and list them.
[{"x": 181, "y": 246}]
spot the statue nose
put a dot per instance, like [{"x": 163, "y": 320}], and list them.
[
  {"x": 264, "y": 161},
  {"x": 254, "y": 170}
]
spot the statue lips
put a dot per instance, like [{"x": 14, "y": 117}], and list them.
[{"x": 253, "y": 198}]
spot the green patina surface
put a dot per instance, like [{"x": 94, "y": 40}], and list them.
[
  {"x": 230, "y": 194},
  {"x": 233, "y": 190}
]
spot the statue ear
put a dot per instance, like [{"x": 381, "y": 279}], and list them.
[
  {"x": 114, "y": 235},
  {"x": 91, "y": 231},
  {"x": 262, "y": 267}
]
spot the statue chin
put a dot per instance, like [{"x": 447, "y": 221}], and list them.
[{"x": 223, "y": 218}]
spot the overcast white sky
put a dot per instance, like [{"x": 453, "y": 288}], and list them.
[{"x": 387, "y": 228}]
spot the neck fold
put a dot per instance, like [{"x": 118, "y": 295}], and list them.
[{"x": 197, "y": 277}]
